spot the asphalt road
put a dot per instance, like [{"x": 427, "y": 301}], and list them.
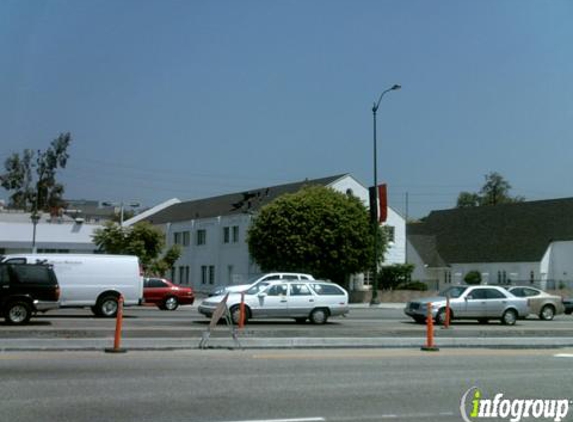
[
  {"x": 186, "y": 322},
  {"x": 295, "y": 386}
]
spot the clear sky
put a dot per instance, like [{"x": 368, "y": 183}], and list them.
[{"x": 191, "y": 99}]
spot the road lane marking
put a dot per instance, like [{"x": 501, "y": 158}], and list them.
[{"x": 286, "y": 420}]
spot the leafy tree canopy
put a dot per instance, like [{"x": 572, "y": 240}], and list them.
[
  {"x": 495, "y": 191},
  {"x": 316, "y": 230},
  {"x": 31, "y": 176},
  {"x": 142, "y": 239}
]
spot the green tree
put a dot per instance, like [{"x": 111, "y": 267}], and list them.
[
  {"x": 495, "y": 191},
  {"x": 143, "y": 240},
  {"x": 473, "y": 277},
  {"x": 315, "y": 230},
  {"x": 32, "y": 176}
]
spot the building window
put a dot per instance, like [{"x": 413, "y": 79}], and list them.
[
  {"x": 390, "y": 233},
  {"x": 235, "y": 234},
  {"x": 211, "y": 274},
  {"x": 230, "y": 274},
  {"x": 531, "y": 277},
  {"x": 201, "y": 237},
  {"x": 176, "y": 238},
  {"x": 187, "y": 274},
  {"x": 207, "y": 274},
  {"x": 181, "y": 274},
  {"x": 173, "y": 273},
  {"x": 186, "y": 237},
  {"x": 226, "y": 234}
]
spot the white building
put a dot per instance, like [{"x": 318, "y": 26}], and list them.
[
  {"x": 212, "y": 232},
  {"x": 521, "y": 243},
  {"x": 53, "y": 234}
]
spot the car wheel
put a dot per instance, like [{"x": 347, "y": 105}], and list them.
[
  {"x": 18, "y": 313},
  {"x": 236, "y": 314},
  {"x": 319, "y": 316},
  {"x": 547, "y": 313},
  {"x": 509, "y": 317},
  {"x": 107, "y": 307},
  {"x": 171, "y": 303},
  {"x": 441, "y": 316}
]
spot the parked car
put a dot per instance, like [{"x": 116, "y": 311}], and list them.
[
  {"x": 26, "y": 289},
  {"x": 266, "y": 278},
  {"x": 92, "y": 280},
  {"x": 471, "y": 302},
  {"x": 541, "y": 303},
  {"x": 568, "y": 305},
  {"x": 301, "y": 300},
  {"x": 166, "y": 295}
]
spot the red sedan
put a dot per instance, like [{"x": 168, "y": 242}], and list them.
[{"x": 166, "y": 295}]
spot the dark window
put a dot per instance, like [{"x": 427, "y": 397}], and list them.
[
  {"x": 494, "y": 294},
  {"x": 299, "y": 290},
  {"x": 32, "y": 274},
  {"x": 4, "y": 276},
  {"x": 477, "y": 294},
  {"x": 327, "y": 290},
  {"x": 277, "y": 290},
  {"x": 156, "y": 282},
  {"x": 290, "y": 277}
]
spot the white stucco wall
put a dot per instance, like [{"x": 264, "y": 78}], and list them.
[{"x": 557, "y": 263}]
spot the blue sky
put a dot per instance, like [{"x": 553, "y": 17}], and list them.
[{"x": 192, "y": 99}]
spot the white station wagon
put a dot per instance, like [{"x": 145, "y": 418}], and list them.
[{"x": 301, "y": 300}]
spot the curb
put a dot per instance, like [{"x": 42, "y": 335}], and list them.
[{"x": 165, "y": 344}]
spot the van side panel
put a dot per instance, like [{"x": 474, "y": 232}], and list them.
[{"x": 83, "y": 278}]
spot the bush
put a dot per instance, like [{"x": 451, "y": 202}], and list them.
[
  {"x": 414, "y": 285},
  {"x": 392, "y": 276},
  {"x": 473, "y": 278}
]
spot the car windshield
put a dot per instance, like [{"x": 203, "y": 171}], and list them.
[{"x": 453, "y": 292}]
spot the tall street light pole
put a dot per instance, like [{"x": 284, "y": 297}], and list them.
[{"x": 375, "y": 223}]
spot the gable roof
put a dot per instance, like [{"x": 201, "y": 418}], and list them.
[
  {"x": 519, "y": 232},
  {"x": 234, "y": 203}
]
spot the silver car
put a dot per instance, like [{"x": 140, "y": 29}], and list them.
[
  {"x": 541, "y": 303},
  {"x": 301, "y": 300},
  {"x": 471, "y": 302}
]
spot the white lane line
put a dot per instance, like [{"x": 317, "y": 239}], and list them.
[{"x": 286, "y": 420}]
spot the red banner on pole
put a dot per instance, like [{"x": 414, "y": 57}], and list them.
[{"x": 383, "y": 203}]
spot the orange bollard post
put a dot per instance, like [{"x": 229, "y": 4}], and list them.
[
  {"x": 429, "y": 347},
  {"x": 242, "y": 311},
  {"x": 447, "y": 321},
  {"x": 118, "y": 325}
]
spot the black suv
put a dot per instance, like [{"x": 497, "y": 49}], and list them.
[{"x": 27, "y": 289}]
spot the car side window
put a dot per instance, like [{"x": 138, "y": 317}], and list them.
[
  {"x": 518, "y": 292},
  {"x": 530, "y": 292},
  {"x": 299, "y": 290},
  {"x": 477, "y": 294},
  {"x": 290, "y": 277},
  {"x": 493, "y": 294},
  {"x": 277, "y": 290},
  {"x": 31, "y": 274},
  {"x": 155, "y": 282},
  {"x": 4, "y": 276}
]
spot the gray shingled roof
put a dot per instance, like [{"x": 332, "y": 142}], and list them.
[
  {"x": 234, "y": 203},
  {"x": 519, "y": 232}
]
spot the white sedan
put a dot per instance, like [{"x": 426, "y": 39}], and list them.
[{"x": 311, "y": 299}]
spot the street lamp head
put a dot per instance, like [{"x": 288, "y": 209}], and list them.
[{"x": 396, "y": 87}]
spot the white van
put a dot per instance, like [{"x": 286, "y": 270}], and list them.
[{"x": 94, "y": 281}]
